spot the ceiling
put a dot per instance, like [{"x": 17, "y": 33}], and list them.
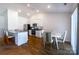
[{"x": 42, "y": 7}]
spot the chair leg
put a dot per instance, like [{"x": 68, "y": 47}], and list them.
[
  {"x": 63, "y": 46},
  {"x": 44, "y": 45},
  {"x": 51, "y": 46},
  {"x": 57, "y": 43},
  {"x": 6, "y": 40}
]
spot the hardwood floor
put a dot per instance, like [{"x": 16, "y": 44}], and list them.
[{"x": 34, "y": 47}]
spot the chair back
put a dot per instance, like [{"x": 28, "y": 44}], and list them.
[
  {"x": 6, "y": 33},
  {"x": 44, "y": 36},
  {"x": 47, "y": 37}
]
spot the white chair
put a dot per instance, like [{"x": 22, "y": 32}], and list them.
[
  {"x": 63, "y": 37},
  {"x": 7, "y": 34},
  {"x": 8, "y": 37}
]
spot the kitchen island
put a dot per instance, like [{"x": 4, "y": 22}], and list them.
[{"x": 21, "y": 37}]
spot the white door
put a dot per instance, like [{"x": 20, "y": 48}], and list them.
[{"x": 74, "y": 30}]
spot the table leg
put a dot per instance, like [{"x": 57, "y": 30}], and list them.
[{"x": 56, "y": 43}]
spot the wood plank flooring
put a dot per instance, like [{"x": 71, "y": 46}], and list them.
[{"x": 34, "y": 47}]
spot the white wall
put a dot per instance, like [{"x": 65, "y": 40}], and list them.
[
  {"x": 74, "y": 30},
  {"x": 21, "y": 21},
  {"x": 3, "y": 22},
  {"x": 54, "y": 22},
  {"x": 37, "y": 18},
  {"x": 2, "y": 26},
  {"x": 12, "y": 20},
  {"x": 15, "y": 21}
]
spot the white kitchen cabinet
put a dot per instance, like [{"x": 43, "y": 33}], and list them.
[
  {"x": 30, "y": 32},
  {"x": 39, "y": 33},
  {"x": 21, "y": 38}
]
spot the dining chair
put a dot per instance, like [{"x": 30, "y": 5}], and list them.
[
  {"x": 8, "y": 37},
  {"x": 62, "y": 39},
  {"x": 47, "y": 38}
]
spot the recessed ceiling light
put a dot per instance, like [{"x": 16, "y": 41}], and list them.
[
  {"x": 48, "y": 6},
  {"x": 19, "y": 10},
  {"x": 28, "y": 14},
  {"x": 37, "y": 11},
  {"x": 28, "y": 5}
]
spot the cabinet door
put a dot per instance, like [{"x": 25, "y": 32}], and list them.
[{"x": 39, "y": 34}]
